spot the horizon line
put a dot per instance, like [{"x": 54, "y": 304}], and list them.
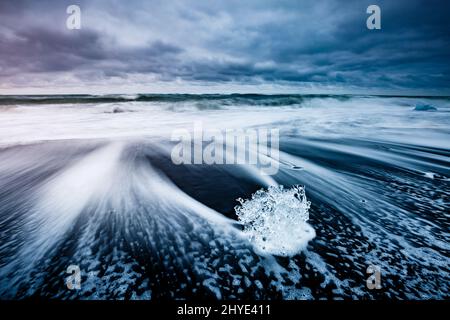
[{"x": 230, "y": 94}]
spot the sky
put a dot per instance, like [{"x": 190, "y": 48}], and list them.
[{"x": 224, "y": 46}]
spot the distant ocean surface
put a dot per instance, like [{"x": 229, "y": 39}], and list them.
[{"x": 88, "y": 181}]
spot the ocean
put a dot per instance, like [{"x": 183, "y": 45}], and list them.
[{"x": 88, "y": 181}]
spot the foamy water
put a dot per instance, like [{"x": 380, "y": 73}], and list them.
[
  {"x": 369, "y": 117},
  {"x": 92, "y": 184}
]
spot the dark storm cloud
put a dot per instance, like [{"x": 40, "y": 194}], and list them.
[
  {"x": 44, "y": 50},
  {"x": 282, "y": 42}
]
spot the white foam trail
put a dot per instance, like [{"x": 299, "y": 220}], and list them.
[
  {"x": 61, "y": 200},
  {"x": 63, "y": 197},
  {"x": 253, "y": 170}
]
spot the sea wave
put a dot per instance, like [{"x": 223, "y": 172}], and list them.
[{"x": 201, "y": 99}]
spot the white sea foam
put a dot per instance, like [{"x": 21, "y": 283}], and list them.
[
  {"x": 149, "y": 214},
  {"x": 386, "y": 118},
  {"x": 274, "y": 220}
]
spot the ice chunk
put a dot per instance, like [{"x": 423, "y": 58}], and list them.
[{"x": 274, "y": 220}]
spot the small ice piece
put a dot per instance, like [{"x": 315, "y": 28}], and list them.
[
  {"x": 424, "y": 107},
  {"x": 429, "y": 175},
  {"x": 274, "y": 220}
]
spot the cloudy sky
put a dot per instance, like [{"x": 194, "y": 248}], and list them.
[{"x": 225, "y": 46}]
